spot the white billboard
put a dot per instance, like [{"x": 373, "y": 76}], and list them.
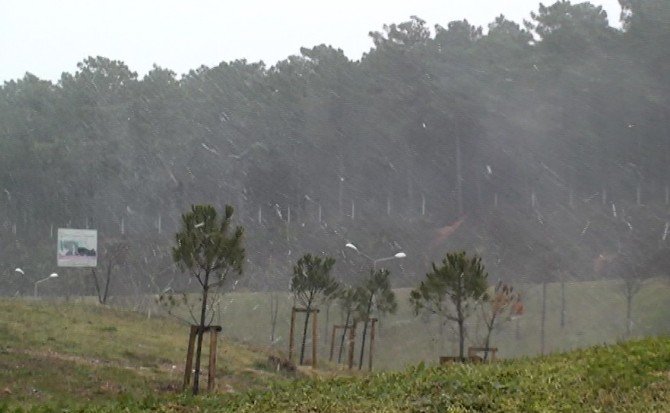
[{"x": 77, "y": 247}]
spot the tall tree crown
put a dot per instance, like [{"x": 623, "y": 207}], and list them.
[
  {"x": 312, "y": 280},
  {"x": 208, "y": 244}
]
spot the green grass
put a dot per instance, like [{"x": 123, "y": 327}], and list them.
[
  {"x": 81, "y": 357},
  {"x": 631, "y": 377},
  {"x": 72, "y": 354}
]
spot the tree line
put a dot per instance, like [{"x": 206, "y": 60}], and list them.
[{"x": 543, "y": 146}]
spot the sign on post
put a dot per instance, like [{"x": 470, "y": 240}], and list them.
[{"x": 77, "y": 247}]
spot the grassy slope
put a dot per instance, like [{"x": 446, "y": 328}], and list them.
[
  {"x": 76, "y": 353},
  {"x": 91, "y": 358},
  {"x": 632, "y": 377}
]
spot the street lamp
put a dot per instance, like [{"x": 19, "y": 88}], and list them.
[
  {"x": 52, "y": 275},
  {"x": 375, "y": 260}
]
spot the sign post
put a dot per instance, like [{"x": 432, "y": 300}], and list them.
[{"x": 77, "y": 247}]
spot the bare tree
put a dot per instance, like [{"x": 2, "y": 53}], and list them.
[
  {"x": 502, "y": 299},
  {"x": 113, "y": 254}
]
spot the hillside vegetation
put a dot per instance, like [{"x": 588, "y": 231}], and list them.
[
  {"x": 543, "y": 147},
  {"x": 78, "y": 357},
  {"x": 630, "y": 377},
  {"x": 75, "y": 354}
]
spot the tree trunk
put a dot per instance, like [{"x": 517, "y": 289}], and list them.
[
  {"x": 562, "y": 304},
  {"x": 304, "y": 335},
  {"x": 274, "y": 309},
  {"x": 201, "y": 332},
  {"x": 629, "y": 305},
  {"x": 459, "y": 176},
  {"x": 488, "y": 336},
  {"x": 97, "y": 285},
  {"x": 365, "y": 330},
  {"x": 110, "y": 265},
  {"x": 325, "y": 327},
  {"x": 461, "y": 338},
  {"x": 544, "y": 315},
  {"x": 460, "y": 319},
  {"x": 344, "y": 334}
]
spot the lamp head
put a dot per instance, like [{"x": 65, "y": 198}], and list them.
[
  {"x": 352, "y": 246},
  {"x": 53, "y": 275},
  {"x": 400, "y": 255},
  {"x": 20, "y": 271}
]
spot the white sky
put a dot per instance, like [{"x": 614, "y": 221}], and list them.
[{"x": 48, "y": 37}]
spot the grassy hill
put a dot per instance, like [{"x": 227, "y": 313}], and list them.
[
  {"x": 79, "y": 357},
  {"x": 72, "y": 353},
  {"x": 631, "y": 377}
]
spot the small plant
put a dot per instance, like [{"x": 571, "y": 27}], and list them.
[
  {"x": 374, "y": 295},
  {"x": 452, "y": 291},
  {"x": 310, "y": 283}
]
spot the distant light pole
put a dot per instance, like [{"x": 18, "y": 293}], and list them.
[
  {"x": 20, "y": 272},
  {"x": 52, "y": 275},
  {"x": 375, "y": 260}
]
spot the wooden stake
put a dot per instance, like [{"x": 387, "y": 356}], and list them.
[
  {"x": 291, "y": 331},
  {"x": 543, "y": 316},
  {"x": 332, "y": 344},
  {"x": 213, "y": 336},
  {"x": 372, "y": 342},
  {"x": 315, "y": 333},
  {"x": 189, "y": 357},
  {"x": 352, "y": 337}
]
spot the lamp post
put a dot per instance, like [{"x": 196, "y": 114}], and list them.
[
  {"x": 375, "y": 260},
  {"x": 371, "y": 301},
  {"x": 52, "y": 275},
  {"x": 19, "y": 283}
]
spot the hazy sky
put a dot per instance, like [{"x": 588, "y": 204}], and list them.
[{"x": 48, "y": 37}]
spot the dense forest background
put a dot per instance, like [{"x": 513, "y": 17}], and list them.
[{"x": 544, "y": 148}]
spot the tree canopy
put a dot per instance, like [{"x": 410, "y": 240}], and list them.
[{"x": 512, "y": 140}]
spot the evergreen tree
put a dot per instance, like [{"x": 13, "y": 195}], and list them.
[
  {"x": 452, "y": 291},
  {"x": 211, "y": 251}
]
